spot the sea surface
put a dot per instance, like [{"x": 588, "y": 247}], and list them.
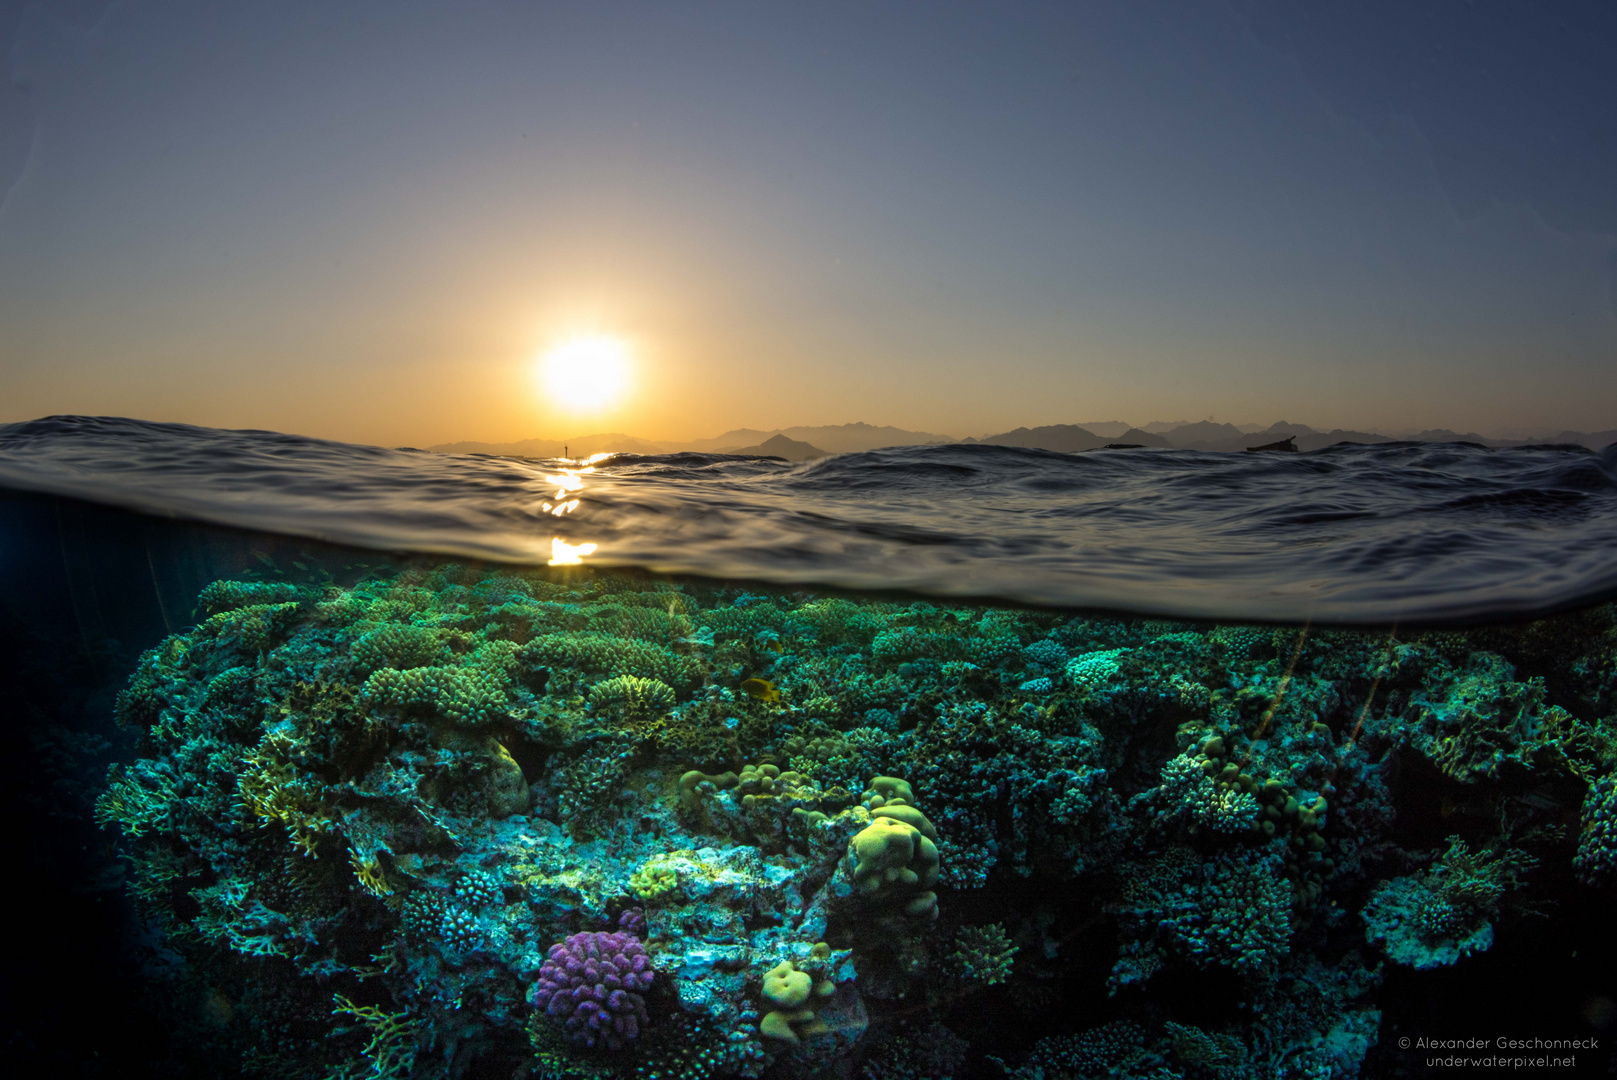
[{"x": 1412, "y": 532}]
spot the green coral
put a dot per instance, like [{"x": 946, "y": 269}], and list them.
[
  {"x": 742, "y": 622},
  {"x": 1101, "y": 1051},
  {"x": 793, "y": 989},
  {"x": 983, "y": 954},
  {"x": 137, "y": 799},
  {"x": 654, "y": 880},
  {"x": 1232, "y": 909},
  {"x": 1596, "y": 860},
  {"x": 220, "y": 596},
  {"x": 598, "y": 653},
  {"x": 469, "y": 696},
  {"x": 893, "y": 861},
  {"x": 342, "y": 787},
  {"x": 1093, "y": 670},
  {"x": 644, "y": 621},
  {"x": 632, "y": 695},
  {"x": 257, "y": 626},
  {"x": 400, "y": 646},
  {"x": 1435, "y": 918},
  {"x": 391, "y": 1049},
  {"x": 835, "y": 621}
]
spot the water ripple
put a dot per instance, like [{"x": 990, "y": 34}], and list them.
[{"x": 1411, "y": 531}]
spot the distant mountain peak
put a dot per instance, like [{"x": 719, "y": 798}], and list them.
[{"x": 781, "y": 446}]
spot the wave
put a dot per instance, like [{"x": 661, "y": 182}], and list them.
[{"x": 1349, "y": 533}]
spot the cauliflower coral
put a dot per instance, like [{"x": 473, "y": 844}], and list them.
[{"x": 593, "y": 983}]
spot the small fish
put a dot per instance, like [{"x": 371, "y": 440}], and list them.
[{"x": 761, "y": 690}]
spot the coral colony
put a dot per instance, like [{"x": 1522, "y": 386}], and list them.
[{"x": 566, "y": 824}]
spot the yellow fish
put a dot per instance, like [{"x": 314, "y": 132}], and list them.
[{"x": 761, "y": 690}]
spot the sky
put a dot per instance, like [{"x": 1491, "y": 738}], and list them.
[{"x": 371, "y": 221}]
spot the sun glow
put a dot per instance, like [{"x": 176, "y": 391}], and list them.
[{"x": 586, "y": 374}]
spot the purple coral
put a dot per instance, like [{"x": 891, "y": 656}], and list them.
[{"x": 593, "y": 982}]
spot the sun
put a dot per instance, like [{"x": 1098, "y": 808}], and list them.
[{"x": 586, "y": 374}]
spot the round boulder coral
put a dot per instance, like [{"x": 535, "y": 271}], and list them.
[{"x": 593, "y": 984}]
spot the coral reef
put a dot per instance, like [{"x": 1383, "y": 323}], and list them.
[{"x": 449, "y": 821}]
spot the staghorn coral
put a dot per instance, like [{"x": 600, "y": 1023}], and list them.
[{"x": 391, "y": 1051}]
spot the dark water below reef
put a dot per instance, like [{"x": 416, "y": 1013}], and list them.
[
  {"x": 1364, "y": 534},
  {"x": 358, "y": 790}
]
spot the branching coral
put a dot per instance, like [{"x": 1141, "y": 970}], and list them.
[
  {"x": 983, "y": 954},
  {"x": 1092, "y": 670},
  {"x": 401, "y": 646},
  {"x": 608, "y": 655},
  {"x": 391, "y": 1051},
  {"x": 137, "y": 799},
  {"x": 634, "y": 696}
]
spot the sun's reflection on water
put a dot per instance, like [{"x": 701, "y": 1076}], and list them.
[
  {"x": 568, "y": 481},
  {"x": 564, "y": 554}
]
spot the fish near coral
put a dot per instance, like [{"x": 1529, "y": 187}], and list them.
[{"x": 761, "y": 690}]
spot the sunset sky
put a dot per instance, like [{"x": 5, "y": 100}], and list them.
[{"x": 372, "y": 221}]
